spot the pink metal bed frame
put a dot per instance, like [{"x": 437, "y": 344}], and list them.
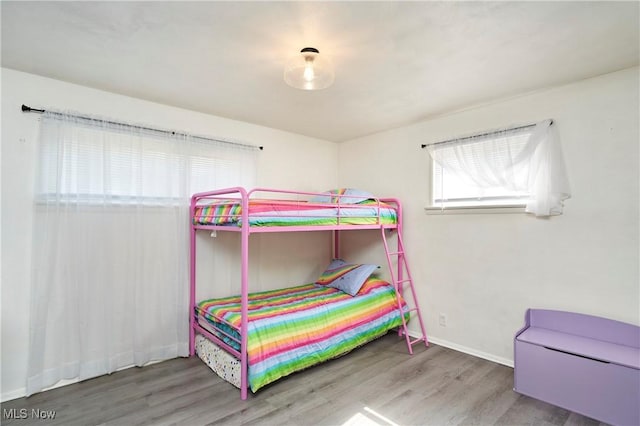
[{"x": 243, "y": 196}]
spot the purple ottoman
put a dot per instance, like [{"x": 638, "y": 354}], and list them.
[{"x": 583, "y": 363}]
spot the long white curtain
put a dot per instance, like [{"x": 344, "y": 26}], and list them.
[
  {"x": 110, "y": 249},
  {"x": 529, "y": 162}
]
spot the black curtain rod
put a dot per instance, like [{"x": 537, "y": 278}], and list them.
[
  {"x": 424, "y": 145},
  {"x": 168, "y": 132}
]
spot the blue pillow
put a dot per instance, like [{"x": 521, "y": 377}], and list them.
[
  {"x": 353, "y": 279},
  {"x": 355, "y": 196}
]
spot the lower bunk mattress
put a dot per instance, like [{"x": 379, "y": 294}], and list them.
[{"x": 294, "y": 328}]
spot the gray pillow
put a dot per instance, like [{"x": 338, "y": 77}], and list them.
[{"x": 352, "y": 281}]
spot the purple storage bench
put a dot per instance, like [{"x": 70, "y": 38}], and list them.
[{"x": 586, "y": 364}]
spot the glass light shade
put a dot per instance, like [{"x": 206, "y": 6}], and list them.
[{"x": 309, "y": 71}]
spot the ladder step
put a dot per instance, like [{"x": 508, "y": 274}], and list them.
[
  {"x": 413, "y": 342},
  {"x": 395, "y": 253},
  {"x": 403, "y": 281}
]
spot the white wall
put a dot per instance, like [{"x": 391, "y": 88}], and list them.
[
  {"x": 288, "y": 161},
  {"x": 484, "y": 270}
]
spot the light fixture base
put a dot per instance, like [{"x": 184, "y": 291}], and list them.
[{"x": 309, "y": 71}]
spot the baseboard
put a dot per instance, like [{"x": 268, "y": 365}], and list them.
[
  {"x": 467, "y": 350},
  {"x": 14, "y": 394},
  {"x": 22, "y": 392}
]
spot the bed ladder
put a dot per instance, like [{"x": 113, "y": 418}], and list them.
[{"x": 400, "y": 283}]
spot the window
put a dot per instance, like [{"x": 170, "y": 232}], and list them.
[
  {"x": 520, "y": 166},
  {"x": 478, "y": 185},
  {"x": 88, "y": 162}
]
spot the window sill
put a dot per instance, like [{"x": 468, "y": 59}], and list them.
[{"x": 506, "y": 209}]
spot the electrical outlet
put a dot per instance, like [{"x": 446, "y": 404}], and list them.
[{"x": 442, "y": 319}]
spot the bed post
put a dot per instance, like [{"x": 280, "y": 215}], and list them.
[
  {"x": 244, "y": 299},
  {"x": 192, "y": 277},
  {"x": 399, "y": 246},
  {"x": 336, "y": 244}
]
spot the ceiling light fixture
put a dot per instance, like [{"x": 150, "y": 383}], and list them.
[{"x": 309, "y": 70}]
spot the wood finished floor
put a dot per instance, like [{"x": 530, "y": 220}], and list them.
[{"x": 378, "y": 384}]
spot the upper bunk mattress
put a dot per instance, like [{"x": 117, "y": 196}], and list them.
[
  {"x": 294, "y": 213},
  {"x": 294, "y": 328}
]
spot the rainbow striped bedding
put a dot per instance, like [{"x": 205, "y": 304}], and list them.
[
  {"x": 288, "y": 213},
  {"x": 294, "y": 328}
]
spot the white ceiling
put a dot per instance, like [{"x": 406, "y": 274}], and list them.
[{"x": 395, "y": 62}]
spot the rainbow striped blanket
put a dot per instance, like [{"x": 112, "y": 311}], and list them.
[
  {"x": 287, "y": 213},
  {"x": 294, "y": 328}
]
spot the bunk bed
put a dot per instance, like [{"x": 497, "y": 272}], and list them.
[{"x": 270, "y": 334}]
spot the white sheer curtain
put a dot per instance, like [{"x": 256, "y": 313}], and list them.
[
  {"x": 110, "y": 249},
  {"x": 528, "y": 162}
]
